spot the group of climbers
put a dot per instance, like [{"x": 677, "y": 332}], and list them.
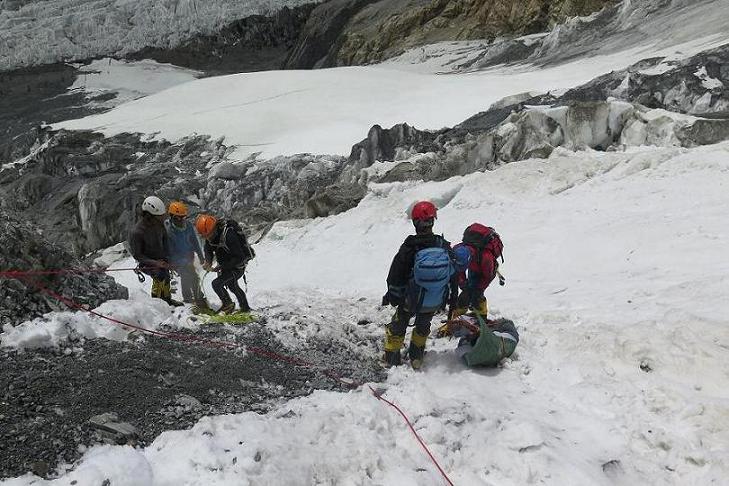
[
  {"x": 425, "y": 277},
  {"x": 163, "y": 244}
]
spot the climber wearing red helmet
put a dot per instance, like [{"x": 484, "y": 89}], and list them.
[
  {"x": 424, "y": 212},
  {"x": 418, "y": 295}
]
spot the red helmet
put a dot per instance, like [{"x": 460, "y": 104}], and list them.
[{"x": 423, "y": 211}]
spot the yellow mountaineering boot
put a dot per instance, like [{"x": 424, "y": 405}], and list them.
[
  {"x": 157, "y": 286},
  {"x": 393, "y": 344},
  {"x": 167, "y": 294},
  {"x": 416, "y": 351},
  {"x": 482, "y": 308}
]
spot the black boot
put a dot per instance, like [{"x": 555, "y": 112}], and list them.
[
  {"x": 243, "y": 304},
  {"x": 393, "y": 358},
  {"x": 227, "y": 308},
  {"x": 416, "y": 353}
]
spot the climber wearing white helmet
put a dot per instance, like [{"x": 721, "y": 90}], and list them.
[{"x": 149, "y": 246}]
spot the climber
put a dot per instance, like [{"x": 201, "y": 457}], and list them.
[
  {"x": 485, "y": 247},
  {"x": 225, "y": 241},
  {"x": 183, "y": 246},
  {"x": 421, "y": 281},
  {"x": 149, "y": 246}
]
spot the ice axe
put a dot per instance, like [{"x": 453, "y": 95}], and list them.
[{"x": 502, "y": 279}]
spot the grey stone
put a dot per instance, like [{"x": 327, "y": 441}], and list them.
[
  {"x": 113, "y": 429},
  {"x": 188, "y": 402}
]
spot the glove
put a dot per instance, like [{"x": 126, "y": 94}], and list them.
[{"x": 393, "y": 297}]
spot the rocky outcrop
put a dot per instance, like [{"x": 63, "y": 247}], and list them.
[
  {"x": 26, "y": 247},
  {"x": 382, "y": 144},
  {"x": 255, "y": 43},
  {"x": 537, "y": 132},
  {"x": 30, "y": 97},
  {"x": 260, "y": 193},
  {"x": 618, "y": 27},
  {"x": 85, "y": 189},
  {"x": 581, "y": 118},
  {"x": 698, "y": 85},
  {"x": 349, "y": 32},
  {"x": 322, "y": 34}
]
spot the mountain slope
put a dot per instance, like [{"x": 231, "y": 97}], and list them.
[
  {"x": 618, "y": 378},
  {"x": 353, "y": 32},
  {"x": 326, "y": 111}
]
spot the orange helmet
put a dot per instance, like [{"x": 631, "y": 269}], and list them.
[
  {"x": 177, "y": 208},
  {"x": 205, "y": 224}
]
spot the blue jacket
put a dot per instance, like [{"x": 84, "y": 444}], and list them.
[{"x": 183, "y": 243}]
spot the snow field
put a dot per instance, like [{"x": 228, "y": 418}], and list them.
[
  {"x": 613, "y": 262},
  {"x": 129, "y": 80},
  {"x": 326, "y": 111}
]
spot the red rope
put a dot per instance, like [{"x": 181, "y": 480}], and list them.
[
  {"x": 227, "y": 344},
  {"x": 66, "y": 271},
  {"x": 75, "y": 305},
  {"x": 415, "y": 433},
  {"x": 190, "y": 338}
]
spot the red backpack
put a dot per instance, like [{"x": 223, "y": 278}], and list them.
[{"x": 485, "y": 239}]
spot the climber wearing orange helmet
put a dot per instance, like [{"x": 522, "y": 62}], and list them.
[
  {"x": 422, "y": 281},
  {"x": 183, "y": 246},
  {"x": 225, "y": 241}
]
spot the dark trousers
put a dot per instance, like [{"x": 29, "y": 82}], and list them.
[
  {"x": 162, "y": 274},
  {"x": 190, "y": 282},
  {"x": 228, "y": 280},
  {"x": 401, "y": 319}
]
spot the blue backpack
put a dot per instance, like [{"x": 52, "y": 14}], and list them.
[{"x": 429, "y": 285}]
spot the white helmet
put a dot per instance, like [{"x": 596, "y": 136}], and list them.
[{"x": 154, "y": 205}]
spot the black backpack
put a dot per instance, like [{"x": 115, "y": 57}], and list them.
[{"x": 248, "y": 251}]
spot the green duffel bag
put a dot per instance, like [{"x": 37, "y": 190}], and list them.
[{"x": 496, "y": 341}]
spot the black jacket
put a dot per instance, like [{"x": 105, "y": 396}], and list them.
[
  {"x": 227, "y": 246},
  {"x": 401, "y": 269},
  {"x": 148, "y": 242}
]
